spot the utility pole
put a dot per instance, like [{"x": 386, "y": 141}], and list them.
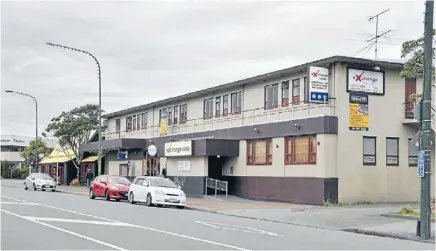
[
  {"x": 377, "y": 36},
  {"x": 426, "y": 130}
]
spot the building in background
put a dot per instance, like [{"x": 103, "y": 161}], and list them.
[
  {"x": 332, "y": 130},
  {"x": 12, "y": 146}
]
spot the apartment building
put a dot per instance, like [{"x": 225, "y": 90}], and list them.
[{"x": 337, "y": 129}]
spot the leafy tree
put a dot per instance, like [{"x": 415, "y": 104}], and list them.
[
  {"x": 35, "y": 147},
  {"x": 74, "y": 128},
  {"x": 5, "y": 169},
  {"x": 413, "y": 51}
]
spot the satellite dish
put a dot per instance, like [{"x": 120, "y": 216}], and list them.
[{"x": 152, "y": 150}]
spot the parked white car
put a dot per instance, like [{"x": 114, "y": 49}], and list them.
[
  {"x": 39, "y": 181},
  {"x": 156, "y": 191}
]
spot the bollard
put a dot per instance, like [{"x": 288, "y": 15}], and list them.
[{"x": 418, "y": 228}]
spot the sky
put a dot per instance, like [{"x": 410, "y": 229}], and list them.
[{"x": 151, "y": 50}]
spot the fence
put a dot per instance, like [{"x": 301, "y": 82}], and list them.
[{"x": 217, "y": 185}]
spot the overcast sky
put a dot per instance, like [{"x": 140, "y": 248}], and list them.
[{"x": 150, "y": 50}]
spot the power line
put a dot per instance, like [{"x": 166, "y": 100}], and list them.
[{"x": 377, "y": 36}]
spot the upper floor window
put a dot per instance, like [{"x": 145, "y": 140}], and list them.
[
  {"x": 301, "y": 150},
  {"x": 236, "y": 102},
  {"x": 176, "y": 114},
  {"x": 285, "y": 93},
  {"x": 296, "y": 91},
  {"x": 271, "y": 96},
  {"x": 138, "y": 121},
  {"x": 143, "y": 120},
  {"x": 134, "y": 123},
  {"x": 163, "y": 115},
  {"x": 369, "y": 151},
  {"x": 183, "y": 113},
  {"x": 259, "y": 152},
  {"x": 217, "y": 106},
  {"x": 413, "y": 153},
  {"x": 208, "y": 108},
  {"x": 225, "y": 105},
  {"x": 129, "y": 123},
  {"x": 170, "y": 115},
  {"x": 392, "y": 151},
  {"x": 117, "y": 125}
]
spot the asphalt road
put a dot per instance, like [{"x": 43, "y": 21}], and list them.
[{"x": 59, "y": 221}]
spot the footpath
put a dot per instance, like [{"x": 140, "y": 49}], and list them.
[{"x": 371, "y": 219}]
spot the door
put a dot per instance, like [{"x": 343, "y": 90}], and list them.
[
  {"x": 136, "y": 188},
  {"x": 152, "y": 167},
  {"x": 100, "y": 186},
  {"x": 410, "y": 88}
]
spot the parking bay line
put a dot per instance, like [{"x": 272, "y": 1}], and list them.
[
  {"x": 18, "y": 203},
  {"x": 141, "y": 227}
]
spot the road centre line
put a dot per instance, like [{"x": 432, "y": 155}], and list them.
[
  {"x": 18, "y": 203},
  {"x": 66, "y": 231},
  {"x": 137, "y": 226}
]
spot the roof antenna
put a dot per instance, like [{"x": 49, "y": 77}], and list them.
[{"x": 377, "y": 36}]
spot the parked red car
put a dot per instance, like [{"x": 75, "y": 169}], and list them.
[{"x": 109, "y": 187}]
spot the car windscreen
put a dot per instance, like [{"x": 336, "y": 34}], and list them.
[
  {"x": 156, "y": 182},
  {"x": 118, "y": 180},
  {"x": 43, "y": 177}
]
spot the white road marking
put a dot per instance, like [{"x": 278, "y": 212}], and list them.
[
  {"x": 18, "y": 203},
  {"x": 117, "y": 224},
  {"x": 66, "y": 231},
  {"x": 137, "y": 226},
  {"x": 236, "y": 228}
]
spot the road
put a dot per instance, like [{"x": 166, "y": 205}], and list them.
[{"x": 58, "y": 221}]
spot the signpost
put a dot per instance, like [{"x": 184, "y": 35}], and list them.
[{"x": 421, "y": 160}]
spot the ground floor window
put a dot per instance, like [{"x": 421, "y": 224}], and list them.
[
  {"x": 259, "y": 152},
  {"x": 369, "y": 151},
  {"x": 301, "y": 150},
  {"x": 392, "y": 151}
]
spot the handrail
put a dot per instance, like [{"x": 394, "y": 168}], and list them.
[{"x": 218, "y": 185}]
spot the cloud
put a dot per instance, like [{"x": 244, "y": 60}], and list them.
[{"x": 151, "y": 50}]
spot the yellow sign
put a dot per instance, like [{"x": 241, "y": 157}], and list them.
[
  {"x": 163, "y": 129},
  {"x": 358, "y": 112}
]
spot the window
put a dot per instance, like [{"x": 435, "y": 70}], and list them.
[
  {"x": 285, "y": 93},
  {"x": 129, "y": 123},
  {"x": 170, "y": 115},
  {"x": 271, "y": 96},
  {"x": 413, "y": 153},
  {"x": 183, "y": 113},
  {"x": 176, "y": 114},
  {"x": 259, "y": 152},
  {"x": 236, "y": 102},
  {"x": 217, "y": 106},
  {"x": 134, "y": 123},
  {"x": 306, "y": 90},
  {"x": 369, "y": 151},
  {"x": 143, "y": 120},
  {"x": 296, "y": 91},
  {"x": 392, "y": 152},
  {"x": 138, "y": 122},
  {"x": 301, "y": 150},
  {"x": 225, "y": 105},
  {"x": 117, "y": 125},
  {"x": 208, "y": 108}
]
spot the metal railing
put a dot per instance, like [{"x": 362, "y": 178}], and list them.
[{"x": 216, "y": 185}]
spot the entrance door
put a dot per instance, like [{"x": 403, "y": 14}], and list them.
[{"x": 152, "y": 167}]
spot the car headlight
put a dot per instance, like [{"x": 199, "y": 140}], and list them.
[
  {"x": 159, "y": 192},
  {"x": 115, "y": 188},
  {"x": 182, "y": 194}
]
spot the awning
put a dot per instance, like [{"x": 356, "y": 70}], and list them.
[
  {"x": 90, "y": 159},
  {"x": 61, "y": 159}
]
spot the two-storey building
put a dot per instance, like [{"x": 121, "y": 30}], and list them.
[{"x": 338, "y": 129}]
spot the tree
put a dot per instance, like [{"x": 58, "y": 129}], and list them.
[
  {"x": 74, "y": 128},
  {"x": 5, "y": 169},
  {"x": 35, "y": 146},
  {"x": 413, "y": 51}
]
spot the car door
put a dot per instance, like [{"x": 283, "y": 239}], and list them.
[
  {"x": 145, "y": 189},
  {"x": 97, "y": 186},
  {"x": 138, "y": 189},
  {"x": 103, "y": 184}
]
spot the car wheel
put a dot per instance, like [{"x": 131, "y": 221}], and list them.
[
  {"x": 131, "y": 198},
  {"x": 34, "y": 187},
  {"x": 43, "y": 189},
  {"x": 149, "y": 201},
  {"x": 25, "y": 186},
  {"x": 91, "y": 194},
  {"x": 53, "y": 190},
  {"x": 180, "y": 207},
  {"x": 107, "y": 195}
]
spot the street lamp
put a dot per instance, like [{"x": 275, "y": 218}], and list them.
[
  {"x": 36, "y": 125},
  {"x": 99, "y": 94}
]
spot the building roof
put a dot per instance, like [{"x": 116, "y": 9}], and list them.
[
  {"x": 16, "y": 140},
  {"x": 59, "y": 155},
  {"x": 387, "y": 64}
]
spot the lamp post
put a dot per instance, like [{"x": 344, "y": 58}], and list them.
[
  {"x": 36, "y": 124},
  {"x": 99, "y": 94}
]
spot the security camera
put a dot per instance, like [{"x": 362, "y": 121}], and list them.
[{"x": 297, "y": 126}]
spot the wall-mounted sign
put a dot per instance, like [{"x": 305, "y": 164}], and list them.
[
  {"x": 152, "y": 150},
  {"x": 179, "y": 148},
  {"x": 184, "y": 166},
  {"x": 365, "y": 81},
  {"x": 359, "y": 116},
  {"x": 122, "y": 155},
  {"x": 318, "y": 84}
]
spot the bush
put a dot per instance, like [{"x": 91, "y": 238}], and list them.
[
  {"x": 16, "y": 173},
  {"x": 24, "y": 172},
  {"x": 406, "y": 210}
]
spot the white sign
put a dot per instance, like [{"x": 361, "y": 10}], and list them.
[
  {"x": 371, "y": 82},
  {"x": 318, "y": 84},
  {"x": 184, "y": 166},
  {"x": 152, "y": 150},
  {"x": 179, "y": 148}
]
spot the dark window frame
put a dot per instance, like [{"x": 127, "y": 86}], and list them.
[
  {"x": 208, "y": 108},
  {"x": 218, "y": 106},
  {"x": 291, "y": 153},
  {"x": 250, "y": 156},
  {"x": 117, "y": 125},
  {"x": 296, "y": 99},
  {"x": 369, "y": 155},
  {"x": 129, "y": 127},
  {"x": 285, "y": 89},
  {"x": 392, "y": 156},
  {"x": 225, "y": 104},
  {"x": 273, "y": 104},
  {"x": 238, "y": 97}
]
